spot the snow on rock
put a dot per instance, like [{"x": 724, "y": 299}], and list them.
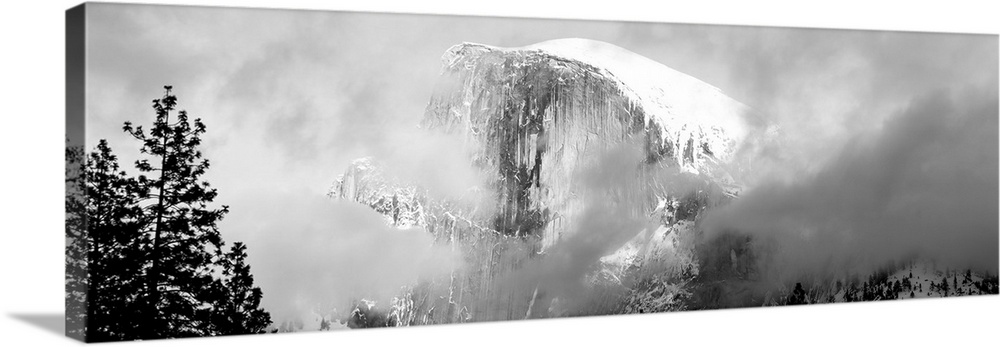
[
  {"x": 533, "y": 119},
  {"x": 535, "y": 115},
  {"x": 365, "y": 182}
]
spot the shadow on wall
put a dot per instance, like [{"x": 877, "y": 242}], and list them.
[{"x": 51, "y": 322}]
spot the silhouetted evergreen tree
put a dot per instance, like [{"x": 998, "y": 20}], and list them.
[
  {"x": 237, "y": 307},
  {"x": 77, "y": 244},
  {"x": 850, "y": 294},
  {"x": 180, "y": 226},
  {"x": 144, "y": 254},
  {"x": 798, "y": 296},
  {"x": 111, "y": 242}
]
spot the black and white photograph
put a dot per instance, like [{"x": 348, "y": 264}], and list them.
[{"x": 241, "y": 171}]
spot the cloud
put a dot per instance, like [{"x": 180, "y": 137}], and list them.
[
  {"x": 312, "y": 255},
  {"x": 820, "y": 86},
  {"x": 291, "y": 97},
  {"x": 615, "y": 188},
  {"x": 924, "y": 183}
]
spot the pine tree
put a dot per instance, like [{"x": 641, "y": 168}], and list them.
[
  {"x": 102, "y": 245},
  {"x": 183, "y": 239},
  {"x": 237, "y": 306},
  {"x": 144, "y": 255},
  {"x": 77, "y": 244},
  {"x": 113, "y": 220}
]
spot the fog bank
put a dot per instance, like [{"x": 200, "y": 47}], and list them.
[{"x": 922, "y": 184}]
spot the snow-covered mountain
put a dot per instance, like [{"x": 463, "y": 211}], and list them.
[
  {"x": 532, "y": 117},
  {"x": 534, "y": 120},
  {"x": 560, "y": 127}
]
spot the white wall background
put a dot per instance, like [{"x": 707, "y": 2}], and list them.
[{"x": 31, "y": 170}]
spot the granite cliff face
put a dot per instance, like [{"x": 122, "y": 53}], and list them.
[
  {"x": 532, "y": 117},
  {"x": 535, "y": 120}
]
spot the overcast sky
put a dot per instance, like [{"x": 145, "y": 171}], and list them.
[{"x": 291, "y": 97}]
